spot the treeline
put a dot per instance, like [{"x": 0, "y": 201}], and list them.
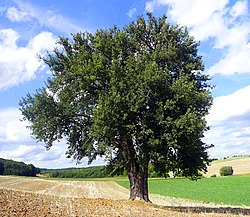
[
  {"x": 11, "y": 167},
  {"x": 90, "y": 172}
]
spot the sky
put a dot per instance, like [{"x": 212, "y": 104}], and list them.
[{"x": 30, "y": 28}]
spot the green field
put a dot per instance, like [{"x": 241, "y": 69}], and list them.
[{"x": 233, "y": 190}]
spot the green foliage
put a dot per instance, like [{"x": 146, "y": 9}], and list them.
[
  {"x": 154, "y": 172},
  {"x": 1, "y": 168},
  {"x": 213, "y": 176},
  {"x": 226, "y": 171},
  {"x": 96, "y": 172},
  {"x": 134, "y": 95},
  {"x": 90, "y": 172},
  {"x": 230, "y": 190},
  {"x": 10, "y": 167}
]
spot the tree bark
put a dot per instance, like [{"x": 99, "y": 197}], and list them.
[
  {"x": 138, "y": 178},
  {"x": 137, "y": 172}
]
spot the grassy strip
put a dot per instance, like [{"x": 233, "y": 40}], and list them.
[{"x": 233, "y": 190}]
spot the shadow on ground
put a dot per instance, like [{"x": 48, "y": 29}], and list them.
[{"x": 219, "y": 210}]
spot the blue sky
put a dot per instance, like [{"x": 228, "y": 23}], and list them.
[{"x": 29, "y": 28}]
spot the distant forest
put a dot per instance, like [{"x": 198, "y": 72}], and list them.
[
  {"x": 91, "y": 172},
  {"x": 11, "y": 167}
]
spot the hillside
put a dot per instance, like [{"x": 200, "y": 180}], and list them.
[
  {"x": 241, "y": 165},
  {"x": 11, "y": 167}
]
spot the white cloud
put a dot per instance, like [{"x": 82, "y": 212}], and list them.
[
  {"x": 226, "y": 23},
  {"x": 226, "y": 107},
  {"x": 235, "y": 61},
  {"x": 232, "y": 138},
  {"x": 37, "y": 155},
  {"x": 17, "y": 144},
  {"x": 229, "y": 119},
  {"x": 14, "y": 15},
  {"x": 47, "y": 18},
  {"x": 19, "y": 64},
  {"x": 150, "y": 6},
  {"x": 24, "y": 152},
  {"x": 239, "y": 9},
  {"x": 131, "y": 12},
  {"x": 11, "y": 128},
  {"x": 191, "y": 12},
  {"x": 42, "y": 41}
]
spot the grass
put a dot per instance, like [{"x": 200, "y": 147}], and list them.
[{"x": 233, "y": 190}]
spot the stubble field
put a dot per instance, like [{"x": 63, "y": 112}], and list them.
[
  {"x": 19, "y": 203},
  {"x": 241, "y": 165}
]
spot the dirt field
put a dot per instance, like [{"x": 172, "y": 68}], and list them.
[
  {"x": 240, "y": 166},
  {"x": 18, "y": 203},
  {"x": 37, "y": 197}
]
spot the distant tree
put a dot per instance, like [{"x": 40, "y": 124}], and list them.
[
  {"x": 32, "y": 170},
  {"x": 226, "y": 171},
  {"x": 136, "y": 95},
  {"x": 1, "y": 168}
]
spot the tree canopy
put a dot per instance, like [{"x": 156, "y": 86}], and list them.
[
  {"x": 11, "y": 167},
  {"x": 134, "y": 95}
]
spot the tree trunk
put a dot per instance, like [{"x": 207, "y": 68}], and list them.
[{"x": 138, "y": 178}]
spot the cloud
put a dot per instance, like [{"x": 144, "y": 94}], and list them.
[
  {"x": 37, "y": 155},
  {"x": 131, "y": 12},
  {"x": 227, "y": 107},
  {"x": 19, "y": 64},
  {"x": 227, "y": 24},
  {"x": 229, "y": 120},
  {"x": 11, "y": 128},
  {"x": 24, "y": 152},
  {"x": 14, "y": 15},
  {"x": 239, "y": 9},
  {"x": 236, "y": 59},
  {"x": 17, "y": 144},
  {"x": 45, "y": 17},
  {"x": 230, "y": 138}
]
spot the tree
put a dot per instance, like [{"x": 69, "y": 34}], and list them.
[
  {"x": 134, "y": 95},
  {"x": 226, "y": 171},
  {"x": 11, "y": 167},
  {"x": 1, "y": 168}
]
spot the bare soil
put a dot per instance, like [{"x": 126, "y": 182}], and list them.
[{"x": 37, "y": 197}]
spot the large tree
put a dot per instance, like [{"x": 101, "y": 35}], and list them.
[{"x": 135, "y": 95}]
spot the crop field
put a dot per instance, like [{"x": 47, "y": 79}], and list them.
[
  {"x": 38, "y": 197},
  {"x": 233, "y": 190}
]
